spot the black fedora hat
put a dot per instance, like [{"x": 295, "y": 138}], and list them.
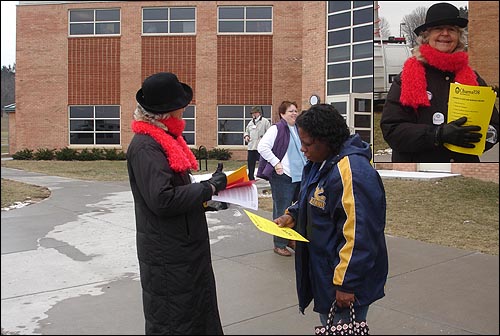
[
  {"x": 162, "y": 93},
  {"x": 442, "y": 14}
]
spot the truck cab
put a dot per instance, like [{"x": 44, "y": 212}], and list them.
[{"x": 389, "y": 56}]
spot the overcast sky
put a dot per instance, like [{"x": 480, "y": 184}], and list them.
[{"x": 393, "y": 11}]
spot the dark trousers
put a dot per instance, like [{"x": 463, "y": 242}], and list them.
[{"x": 253, "y": 156}]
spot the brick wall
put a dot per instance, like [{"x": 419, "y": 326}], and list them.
[
  {"x": 482, "y": 171},
  {"x": 483, "y": 39}
]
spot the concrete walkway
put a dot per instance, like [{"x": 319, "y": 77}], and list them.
[{"x": 69, "y": 266}]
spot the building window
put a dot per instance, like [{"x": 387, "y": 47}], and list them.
[
  {"x": 249, "y": 20},
  {"x": 168, "y": 20},
  {"x": 94, "y": 125},
  {"x": 350, "y": 47},
  {"x": 190, "y": 129},
  {"x": 232, "y": 121},
  {"x": 94, "y": 22}
]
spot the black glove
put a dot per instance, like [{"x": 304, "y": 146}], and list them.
[
  {"x": 456, "y": 134},
  {"x": 218, "y": 179}
]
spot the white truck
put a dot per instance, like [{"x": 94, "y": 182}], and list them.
[{"x": 389, "y": 56}]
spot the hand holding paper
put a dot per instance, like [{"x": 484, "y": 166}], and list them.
[
  {"x": 272, "y": 228},
  {"x": 476, "y": 104}
]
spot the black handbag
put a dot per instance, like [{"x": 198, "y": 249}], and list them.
[{"x": 350, "y": 327}]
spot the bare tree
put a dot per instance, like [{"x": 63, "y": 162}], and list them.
[
  {"x": 385, "y": 28},
  {"x": 410, "y": 22}
]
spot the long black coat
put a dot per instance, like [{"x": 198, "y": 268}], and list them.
[
  {"x": 412, "y": 135},
  {"x": 173, "y": 246}
]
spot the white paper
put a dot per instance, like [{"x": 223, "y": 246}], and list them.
[{"x": 246, "y": 196}]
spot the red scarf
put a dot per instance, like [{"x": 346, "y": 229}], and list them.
[
  {"x": 179, "y": 155},
  {"x": 413, "y": 81}
]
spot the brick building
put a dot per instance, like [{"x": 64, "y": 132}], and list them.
[{"x": 80, "y": 63}]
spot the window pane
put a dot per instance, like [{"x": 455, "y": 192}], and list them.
[
  {"x": 339, "y": 70},
  {"x": 364, "y": 33},
  {"x": 363, "y": 16},
  {"x": 81, "y": 125},
  {"x": 339, "y": 20},
  {"x": 338, "y": 87},
  {"x": 182, "y": 27},
  {"x": 188, "y": 112},
  {"x": 258, "y": 26},
  {"x": 363, "y": 68},
  {"x": 107, "y": 15},
  {"x": 335, "y": 6},
  {"x": 364, "y": 50},
  {"x": 362, "y": 3},
  {"x": 231, "y": 12},
  {"x": 181, "y": 13},
  {"x": 339, "y": 37},
  {"x": 362, "y": 85},
  {"x": 341, "y": 107},
  {"x": 362, "y": 105},
  {"x": 107, "y": 138},
  {"x": 259, "y": 12},
  {"x": 107, "y": 112},
  {"x": 155, "y": 14},
  {"x": 230, "y": 139},
  {"x": 189, "y": 125},
  {"x": 226, "y": 125},
  {"x": 235, "y": 111},
  {"x": 365, "y": 135},
  {"x": 107, "y": 28},
  {"x": 107, "y": 125},
  {"x": 81, "y": 139},
  {"x": 81, "y": 15},
  {"x": 81, "y": 29},
  {"x": 81, "y": 112},
  {"x": 362, "y": 120},
  {"x": 189, "y": 138},
  {"x": 231, "y": 26},
  {"x": 339, "y": 54},
  {"x": 155, "y": 27}
]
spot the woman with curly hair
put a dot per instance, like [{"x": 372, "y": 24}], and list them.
[{"x": 341, "y": 211}]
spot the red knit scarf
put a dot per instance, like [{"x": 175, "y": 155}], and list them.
[
  {"x": 413, "y": 81},
  {"x": 180, "y": 157}
]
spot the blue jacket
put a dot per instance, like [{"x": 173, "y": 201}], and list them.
[{"x": 341, "y": 211}]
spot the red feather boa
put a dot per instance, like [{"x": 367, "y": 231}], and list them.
[
  {"x": 179, "y": 155},
  {"x": 413, "y": 81}
]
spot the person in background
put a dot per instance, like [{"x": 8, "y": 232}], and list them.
[
  {"x": 254, "y": 131},
  {"x": 341, "y": 210},
  {"x": 280, "y": 147},
  {"x": 414, "y": 116},
  {"x": 173, "y": 247}
]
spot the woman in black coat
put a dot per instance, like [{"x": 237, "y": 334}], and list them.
[
  {"x": 415, "y": 113},
  {"x": 173, "y": 246}
]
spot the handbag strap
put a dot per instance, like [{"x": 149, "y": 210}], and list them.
[{"x": 333, "y": 310}]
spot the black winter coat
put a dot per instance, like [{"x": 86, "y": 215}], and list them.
[
  {"x": 178, "y": 284},
  {"x": 412, "y": 135}
]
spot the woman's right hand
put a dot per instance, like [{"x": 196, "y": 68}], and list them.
[
  {"x": 279, "y": 168},
  {"x": 285, "y": 221}
]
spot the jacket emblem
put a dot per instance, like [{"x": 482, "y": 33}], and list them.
[{"x": 318, "y": 200}]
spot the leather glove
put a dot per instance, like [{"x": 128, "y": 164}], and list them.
[
  {"x": 218, "y": 179},
  {"x": 456, "y": 134}
]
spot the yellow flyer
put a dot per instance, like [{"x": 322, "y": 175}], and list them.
[
  {"x": 475, "y": 103},
  {"x": 270, "y": 227}
]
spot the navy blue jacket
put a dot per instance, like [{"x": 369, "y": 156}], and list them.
[{"x": 341, "y": 211}]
